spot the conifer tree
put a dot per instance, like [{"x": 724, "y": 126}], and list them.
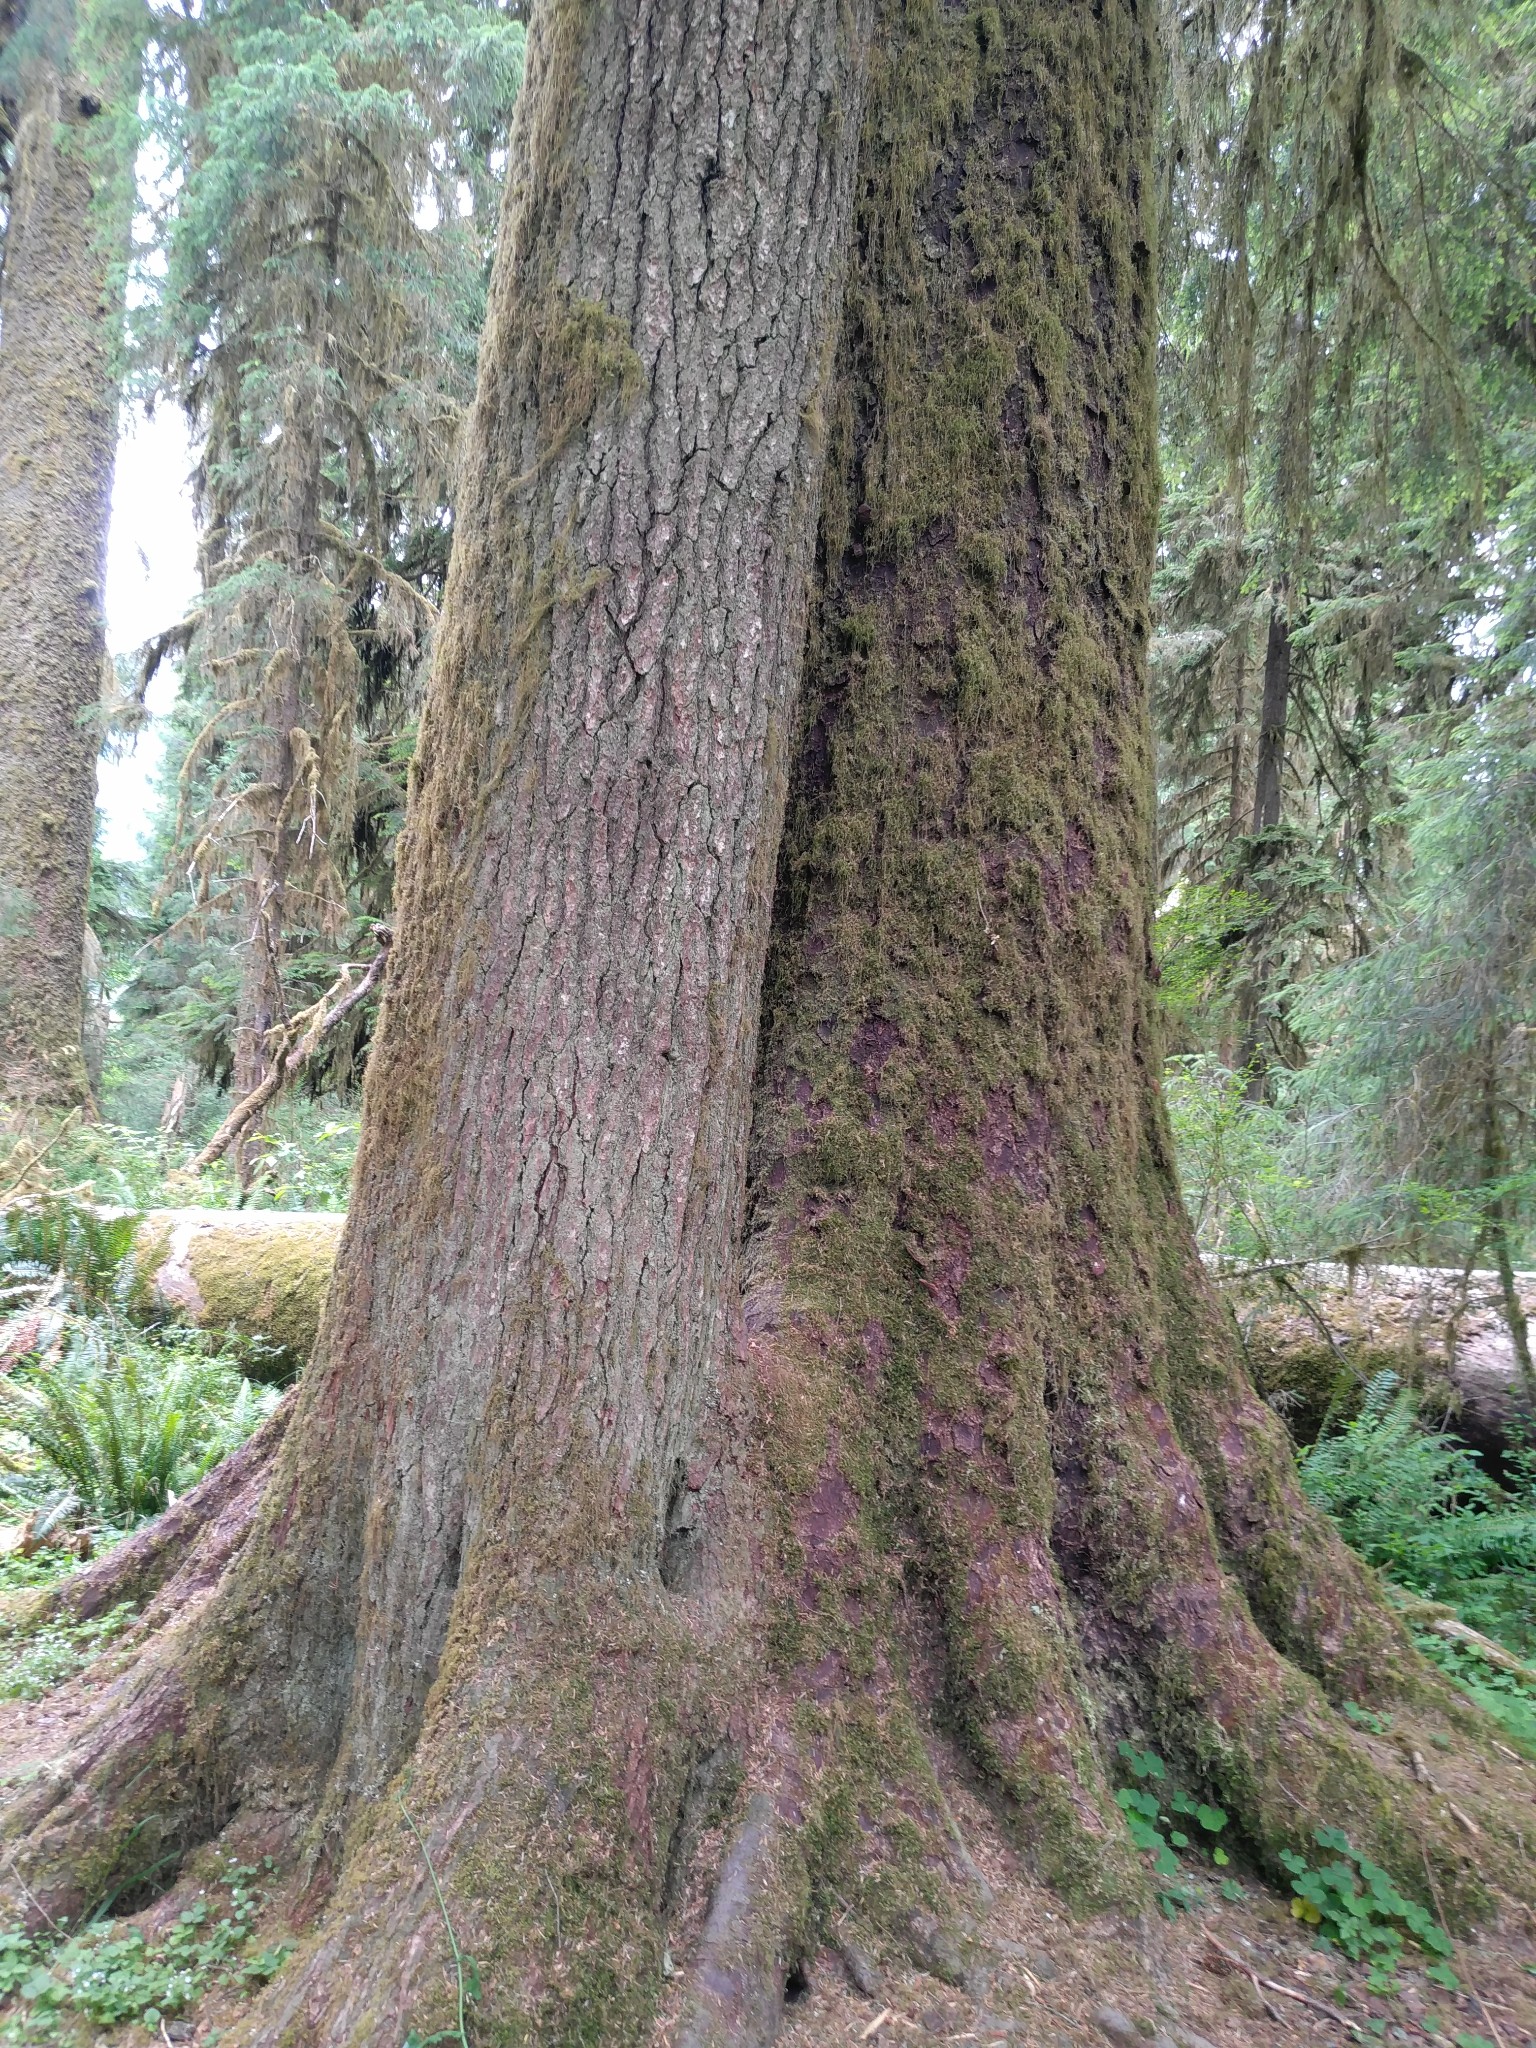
[
  {"x": 324, "y": 293},
  {"x": 559, "y": 1553},
  {"x": 68, "y": 116},
  {"x": 1338, "y": 411}
]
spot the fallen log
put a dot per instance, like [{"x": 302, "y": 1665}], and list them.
[
  {"x": 1318, "y": 1333},
  {"x": 260, "y": 1272}
]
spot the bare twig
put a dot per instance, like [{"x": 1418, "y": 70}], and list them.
[
  {"x": 39, "y": 1155},
  {"x": 1281, "y": 1990},
  {"x": 1434, "y": 1893}
]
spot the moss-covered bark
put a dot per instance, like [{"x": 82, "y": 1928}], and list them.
[
  {"x": 58, "y": 431},
  {"x": 1019, "y": 1477},
  {"x": 465, "y": 1563}
]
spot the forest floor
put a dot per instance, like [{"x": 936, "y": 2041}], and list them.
[
  {"x": 1217, "y": 1971},
  {"x": 1220, "y": 1972}
]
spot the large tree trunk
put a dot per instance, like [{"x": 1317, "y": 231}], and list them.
[
  {"x": 999, "y": 1391},
  {"x": 535, "y": 1289},
  {"x": 982, "y": 1452},
  {"x": 58, "y": 428}
]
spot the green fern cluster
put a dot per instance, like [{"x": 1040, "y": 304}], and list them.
[
  {"x": 102, "y": 1421},
  {"x": 123, "y": 1422},
  {"x": 1420, "y": 1507}
]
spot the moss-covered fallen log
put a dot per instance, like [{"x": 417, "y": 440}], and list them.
[
  {"x": 1317, "y": 1334},
  {"x": 261, "y": 1272}
]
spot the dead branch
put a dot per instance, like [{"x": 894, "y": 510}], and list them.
[{"x": 299, "y": 1039}]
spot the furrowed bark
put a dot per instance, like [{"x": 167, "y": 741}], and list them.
[
  {"x": 1022, "y": 1481},
  {"x": 58, "y": 431},
  {"x": 981, "y": 1464},
  {"x": 500, "y": 1429}
]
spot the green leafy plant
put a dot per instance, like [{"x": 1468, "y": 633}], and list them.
[
  {"x": 35, "y": 1659},
  {"x": 1159, "y": 1818},
  {"x": 1356, "y": 1906},
  {"x": 123, "y": 1420},
  {"x": 65, "y": 1249},
  {"x": 1504, "y": 1695},
  {"x": 109, "y": 1975},
  {"x": 1361, "y": 1717},
  {"x": 1419, "y": 1506}
]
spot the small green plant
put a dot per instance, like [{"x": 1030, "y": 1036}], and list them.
[
  {"x": 1504, "y": 1695},
  {"x": 1355, "y": 1906},
  {"x": 466, "y": 1970},
  {"x": 1155, "y": 1814},
  {"x": 1378, "y": 1724},
  {"x": 66, "y": 1250},
  {"x": 108, "y": 1974},
  {"x": 34, "y": 1660}
]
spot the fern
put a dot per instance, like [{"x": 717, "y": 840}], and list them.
[
  {"x": 1419, "y": 1506},
  {"x": 125, "y": 1420}
]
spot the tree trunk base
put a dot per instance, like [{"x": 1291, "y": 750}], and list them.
[{"x": 599, "y": 1749}]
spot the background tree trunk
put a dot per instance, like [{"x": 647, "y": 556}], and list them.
[
  {"x": 58, "y": 431},
  {"x": 1268, "y": 796}
]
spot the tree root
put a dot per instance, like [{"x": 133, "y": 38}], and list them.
[{"x": 736, "y": 1995}]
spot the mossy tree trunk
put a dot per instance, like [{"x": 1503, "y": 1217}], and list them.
[
  {"x": 58, "y": 431},
  {"x": 998, "y": 1388},
  {"x": 547, "y": 1556},
  {"x": 285, "y": 809}
]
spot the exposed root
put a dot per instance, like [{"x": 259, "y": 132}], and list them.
[{"x": 737, "y": 1979}]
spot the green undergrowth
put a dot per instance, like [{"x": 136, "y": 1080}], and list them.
[
  {"x": 302, "y": 1160},
  {"x": 35, "y": 1657},
  {"x": 103, "y": 1422},
  {"x": 1353, "y": 1906},
  {"x": 1418, "y": 1505},
  {"x": 58, "y": 1985},
  {"x": 1356, "y": 1907},
  {"x": 1168, "y": 1824},
  {"x": 1507, "y": 1697}
]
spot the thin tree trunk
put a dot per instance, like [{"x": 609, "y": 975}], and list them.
[
  {"x": 1274, "y": 716},
  {"x": 1496, "y": 1227},
  {"x": 1268, "y": 794},
  {"x": 285, "y": 708},
  {"x": 58, "y": 428}
]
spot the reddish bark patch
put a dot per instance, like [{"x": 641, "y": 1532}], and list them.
[
  {"x": 636, "y": 1777},
  {"x": 946, "y": 1266},
  {"x": 877, "y": 1349},
  {"x": 1065, "y": 879},
  {"x": 873, "y": 1043},
  {"x": 1090, "y": 1244},
  {"x": 825, "y": 1513},
  {"x": 1017, "y": 1149},
  {"x": 946, "y": 1120}
]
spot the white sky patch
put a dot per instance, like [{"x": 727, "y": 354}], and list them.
[{"x": 151, "y": 580}]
